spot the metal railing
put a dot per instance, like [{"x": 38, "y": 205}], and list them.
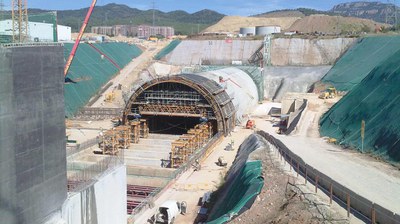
[
  {"x": 71, "y": 150},
  {"x": 96, "y": 113},
  {"x": 31, "y": 44},
  {"x": 354, "y": 203},
  {"x": 84, "y": 175}
]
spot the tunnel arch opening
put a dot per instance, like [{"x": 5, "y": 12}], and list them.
[{"x": 175, "y": 104}]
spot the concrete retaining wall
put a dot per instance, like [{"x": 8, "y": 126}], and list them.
[
  {"x": 308, "y": 52},
  {"x": 280, "y": 80},
  {"x": 284, "y": 51},
  {"x": 103, "y": 202}
]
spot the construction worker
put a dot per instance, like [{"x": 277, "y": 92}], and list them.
[{"x": 196, "y": 165}]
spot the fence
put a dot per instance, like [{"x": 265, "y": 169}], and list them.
[
  {"x": 95, "y": 113},
  {"x": 84, "y": 145},
  {"x": 355, "y": 204},
  {"x": 85, "y": 175},
  {"x": 33, "y": 44},
  {"x": 201, "y": 154}
]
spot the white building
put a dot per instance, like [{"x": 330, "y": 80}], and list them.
[{"x": 42, "y": 32}]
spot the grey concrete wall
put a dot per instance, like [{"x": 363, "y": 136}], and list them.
[
  {"x": 308, "y": 52},
  {"x": 214, "y": 52},
  {"x": 103, "y": 202},
  {"x": 284, "y": 51},
  {"x": 32, "y": 133},
  {"x": 280, "y": 80}
]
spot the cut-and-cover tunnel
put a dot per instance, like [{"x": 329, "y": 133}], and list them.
[{"x": 175, "y": 104}]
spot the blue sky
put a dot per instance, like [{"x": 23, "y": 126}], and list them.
[{"x": 229, "y": 7}]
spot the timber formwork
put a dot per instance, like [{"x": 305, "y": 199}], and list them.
[
  {"x": 187, "y": 144},
  {"x": 135, "y": 131},
  {"x": 138, "y": 129},
  {"x": 116, "y": 139},
  {"x": 144, "y": 128}
]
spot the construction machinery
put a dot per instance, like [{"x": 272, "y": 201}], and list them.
[
  {"x": 329, "y": 93},
  {"x": 20, "y": 24},
  {"x": 222, "y": 162},
  {"x": 109, "y": 97},
  {"x": 168, "y": 211},
  {"x": 78, "y": 39}
]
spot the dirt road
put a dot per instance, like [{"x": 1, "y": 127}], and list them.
[
  {"x": 129, "y": 75},
  {"x": 373, "y": 179}
]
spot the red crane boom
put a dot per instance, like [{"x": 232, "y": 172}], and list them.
[{"x": 78, "y": 39}]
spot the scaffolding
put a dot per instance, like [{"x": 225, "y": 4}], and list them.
[
  {"x": 172, "y": 103},
  {"x": 187, "y": 144},
  {"x": 19, "y": 14},
  {"x": 144, "y": 128},
  {"x": 172, "y": 110},
  {"x": 115, "y": 139},
  {"x": 135, "y": 131},
  {"x": 138, "y": 129}
]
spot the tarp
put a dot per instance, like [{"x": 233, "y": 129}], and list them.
[
  {"x": 243, "y": 183},
  {"x": 360, "y": 60},
  {"x": 90, "y": 70},
  {"x": 168, "y": 49},
  {"x": 375, "y": 100}
]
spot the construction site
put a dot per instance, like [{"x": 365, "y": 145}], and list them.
[{"x": 274, "y": 129}]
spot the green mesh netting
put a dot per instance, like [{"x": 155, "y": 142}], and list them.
[
  {"x": 89, "y": 71},
  {"x": 243, "y": 190},
  {"x": 360, "y": 60},
  {"x": 375, "y": 100},
  {"x": 168, "y": 49}
]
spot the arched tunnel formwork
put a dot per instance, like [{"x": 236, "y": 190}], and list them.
[{"x": 186, "y": 98}]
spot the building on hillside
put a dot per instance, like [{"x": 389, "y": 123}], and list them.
[
  {"x": 142, "y": 31},
  {"x": 103, "y": 30},
  {"x": 39, "y": 32},
  {"x": 125, "y": 30},
  {"x": 147, "y": 31},
  {"x": 116, "y": 30}
]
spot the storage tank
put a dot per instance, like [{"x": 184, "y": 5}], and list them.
[
  {"x": 248, "y": 31},
  {"x": 266, "y": 30}
]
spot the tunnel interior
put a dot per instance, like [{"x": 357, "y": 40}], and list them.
[
  {"x": 174, "y": 125},
  {"x": 172, "y": 108}
]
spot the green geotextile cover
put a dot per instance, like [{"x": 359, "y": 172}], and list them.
[
  {"x": 168, "y": 49},
  {"x": 89, "y": 71},
  {"x": 242, "y": 193},
  {"x": 375, "y": 100},
  {"x": 243, "y": 183},
  {"x": 360, "y": 60}
]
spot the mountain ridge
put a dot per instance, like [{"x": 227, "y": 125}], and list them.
[
  {"x": 182, "y": 21},
  {"x": 375, "y": 11}
]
